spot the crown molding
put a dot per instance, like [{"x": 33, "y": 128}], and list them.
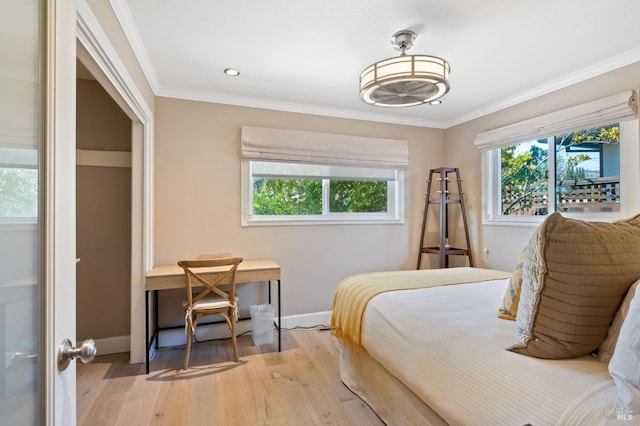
[
  {"x": 595, "y": 70},
  {"x": 251, "y": 102}
]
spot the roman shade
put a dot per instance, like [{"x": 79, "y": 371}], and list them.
[
  {"x": 612, "y": 109},
  {"x": 265, "y": 144}
]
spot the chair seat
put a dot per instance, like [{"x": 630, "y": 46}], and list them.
[{"x": 211, "y": 303}]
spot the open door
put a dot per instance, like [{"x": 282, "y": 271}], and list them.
[
  {"x": 37, "y": 210},
  {"x": 59, "y": 209}
]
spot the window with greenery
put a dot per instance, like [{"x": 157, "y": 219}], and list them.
[
  {"x": 580, "y": 161},
  {"x": 576, "y": 172},
  {"x": 314, "y": 193},
  {"x": 18, "y": 183}
]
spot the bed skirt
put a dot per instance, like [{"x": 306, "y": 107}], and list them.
[{"x": 394, "y": 403}]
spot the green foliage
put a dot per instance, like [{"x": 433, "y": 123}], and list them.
[
  {"x": 526, "y": 174},
  {"x": 608, "y": 134},
  {"x": 353, "y": 196},
  {"x": 279, "y": 196},
  {"x": 18, "y": 192},
  {"x": 569, "y": 170},
  {"x": 522, "y": 174},
  {"x": 287, "y": 196}
]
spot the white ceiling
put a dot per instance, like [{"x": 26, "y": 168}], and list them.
[{"x": 306, "y": 56}]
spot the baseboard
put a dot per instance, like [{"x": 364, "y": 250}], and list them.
[
  {"x": 176, "y": 336},
  {"x": 307, "y": 320},
  {"x": 112, "y": 345}
]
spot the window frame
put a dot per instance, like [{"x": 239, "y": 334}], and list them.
[
  {"x": 629, "y": 184},
  {"x": 394, "y": 214}
]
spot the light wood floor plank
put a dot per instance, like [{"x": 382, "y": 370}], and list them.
[{"x": 300, "y": 385}]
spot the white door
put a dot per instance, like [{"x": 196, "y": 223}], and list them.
[{"x": 37, "y": 210}]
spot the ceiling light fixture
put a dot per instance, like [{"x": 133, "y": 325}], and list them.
[
  {"x": 232, "y": 72},
  {"x": 405, "y": 80}
]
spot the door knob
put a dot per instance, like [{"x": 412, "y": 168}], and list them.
[{"x": 66, "y": 352}]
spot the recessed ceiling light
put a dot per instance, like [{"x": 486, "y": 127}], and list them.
[{"x": 232, "y": 72}]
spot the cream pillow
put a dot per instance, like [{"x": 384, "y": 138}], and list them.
[
  {"x": 605, "y": 351},
  {"x": 625, "y": 363},
  {"x": 575, "y": 275}
]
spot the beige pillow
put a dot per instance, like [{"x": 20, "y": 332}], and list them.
[
  {"x": 575, "y": 275},
  {"x": 605, "y": 351}
]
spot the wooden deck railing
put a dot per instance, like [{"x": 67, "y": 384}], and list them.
[{"x": 585, "y": 195}]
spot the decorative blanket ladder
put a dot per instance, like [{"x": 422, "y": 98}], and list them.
[{"x": 444, "y": 199}]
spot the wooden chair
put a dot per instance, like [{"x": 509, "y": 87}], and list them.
[{"x": 203, "y": 281}]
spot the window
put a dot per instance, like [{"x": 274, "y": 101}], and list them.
[
  {"x": 18, "y": 184},
  {"x": 563, "y": 162},
  {"x": 323, "y": 182},
  {"x": 576, "y": 172}
]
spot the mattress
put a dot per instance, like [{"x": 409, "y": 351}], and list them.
[{"x": 447, "y": 346}]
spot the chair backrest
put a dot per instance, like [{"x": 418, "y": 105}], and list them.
[
  {"x": 214, "y": 256},
  {"x": 210, "y": 274}
]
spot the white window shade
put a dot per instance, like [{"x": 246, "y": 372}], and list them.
[
  {"x": 271, "y": 169},
  {"x": 620, "y": 107},
  {"x": 264, "y": 144}
]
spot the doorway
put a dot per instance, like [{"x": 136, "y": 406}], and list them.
[
  {"x": 103, "y": 217},
  {"x": 98, "y": 56}
]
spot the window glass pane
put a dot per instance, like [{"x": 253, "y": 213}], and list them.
[
  {"x": 353, "y": 196},
  {"x": 524, "y": 179},
  {"x": 588, "y": 170},
  {"x": 18, "y": 192},
  {"x": 279, "y": 196},
  {"x": 18, "y": 182}
]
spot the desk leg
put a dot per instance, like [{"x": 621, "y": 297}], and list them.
[
  {"x": 150, "y": 336},
  {"x": 279, "y": 320},
  {"x": 156, "y": 333},
  {"x": 146, "y": 321},
  {"x": 279, "y": 315}
]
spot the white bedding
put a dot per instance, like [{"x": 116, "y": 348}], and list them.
[{"x": 447, "y": 345}]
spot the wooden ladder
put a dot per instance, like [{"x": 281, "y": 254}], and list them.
[{"x": 445, "y": 198}]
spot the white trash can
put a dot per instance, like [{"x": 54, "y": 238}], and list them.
[{"x": 262, "y": 324}]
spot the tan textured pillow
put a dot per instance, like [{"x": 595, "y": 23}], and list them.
[
  {"x": 575, "y": 275},
  {"x": 605, "y": 351}
]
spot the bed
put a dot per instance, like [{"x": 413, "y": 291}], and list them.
[
  {"x": 427, "y": 347},
  {"x": 437, "y": 346}
]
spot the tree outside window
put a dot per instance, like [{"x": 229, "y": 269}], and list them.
[
  {"x": 584, "y": 177},
  {"x": 280, "y": 196}
]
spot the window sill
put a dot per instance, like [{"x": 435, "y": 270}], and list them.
[
  {"x": 18, "y": 224},
  {"x": 315, "y": 220},
  {"x": 535, "y": 221}
]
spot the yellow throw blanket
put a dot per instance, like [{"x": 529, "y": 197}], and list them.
[{"x": 354, "y": 292}]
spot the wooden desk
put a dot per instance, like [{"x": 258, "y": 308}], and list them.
[{"x": 166, "y": 277}]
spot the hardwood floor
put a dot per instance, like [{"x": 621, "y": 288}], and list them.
[{"x": 298, "y": 386}]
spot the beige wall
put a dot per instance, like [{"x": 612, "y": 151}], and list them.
[
  {"x": 197, "y": 201},
  {"x": 103, "y": 229},
  {"x": 505, "y": 242}
]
